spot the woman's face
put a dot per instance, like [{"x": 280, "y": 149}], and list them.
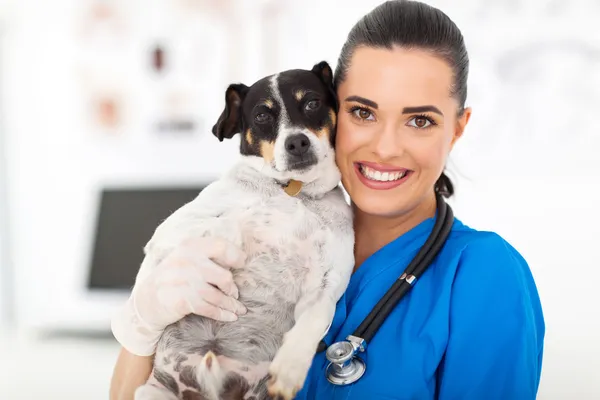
[{"x": 396, "y": 125}]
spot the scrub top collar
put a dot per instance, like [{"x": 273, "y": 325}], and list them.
[{"x": 400, "y": 250}]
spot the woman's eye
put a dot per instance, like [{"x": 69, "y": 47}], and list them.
[
  {"x": 362, "y": 113},
  {"x": 420, "y": 122},
  {"x": 262, "y": 118},
  {"x": 312, "y": 105}
]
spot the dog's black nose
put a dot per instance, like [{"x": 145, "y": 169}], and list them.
[{"x": 297, "y": 144}]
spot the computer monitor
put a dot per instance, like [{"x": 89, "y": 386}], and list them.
[{"x": 126, "y": 220}]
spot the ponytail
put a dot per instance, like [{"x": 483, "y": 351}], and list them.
[{"x": 444, "y": 186}]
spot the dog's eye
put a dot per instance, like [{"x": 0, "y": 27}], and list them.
[
  {"x": 312, "y": 105},
  {"x": 262, "y": 118}
]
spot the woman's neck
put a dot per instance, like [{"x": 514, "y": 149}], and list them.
[{"x": 372, "y": 232}]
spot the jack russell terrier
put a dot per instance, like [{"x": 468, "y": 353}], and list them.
[{"x": 282, "y": 204}]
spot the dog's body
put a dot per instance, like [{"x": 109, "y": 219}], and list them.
[{"x": 299, "y": 247}]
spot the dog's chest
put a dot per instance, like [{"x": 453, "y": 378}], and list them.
[
  {"x": 279, "y": 220},
  {"x": 284, "y": 238}
]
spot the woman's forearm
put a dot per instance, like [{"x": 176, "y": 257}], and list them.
[{"x": 130, "y": 372}]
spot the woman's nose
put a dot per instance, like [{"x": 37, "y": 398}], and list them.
[{"x": 387, "y": 143}]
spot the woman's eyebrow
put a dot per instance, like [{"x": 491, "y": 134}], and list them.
[
  {"x": 421, "y": 109},
  {"x": 405, "y": 110},
  {"x": 362, "y": 100}
]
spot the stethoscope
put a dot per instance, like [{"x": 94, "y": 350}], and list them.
[{"x": 345, "y": 367}]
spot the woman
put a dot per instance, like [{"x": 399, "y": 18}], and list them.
[{"x": 473, "y": 327}]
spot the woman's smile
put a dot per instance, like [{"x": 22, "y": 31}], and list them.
[{"x": 379, "y": 176}]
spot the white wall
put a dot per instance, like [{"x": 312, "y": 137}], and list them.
[
  {"x": 5, "y": 270},
  {"x": 5, "y": 292},
  {"x": 526, "y": 168}
]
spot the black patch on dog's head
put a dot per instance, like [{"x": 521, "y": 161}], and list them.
[{"x": 305, "y": 97}]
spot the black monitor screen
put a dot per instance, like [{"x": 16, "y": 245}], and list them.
[{"x": 126, "y": 220}]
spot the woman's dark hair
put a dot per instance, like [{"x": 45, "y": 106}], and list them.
[{"x": 412, "y": 24}]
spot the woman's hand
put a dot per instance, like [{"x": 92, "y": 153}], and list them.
[{"x": 195, "y": 278}]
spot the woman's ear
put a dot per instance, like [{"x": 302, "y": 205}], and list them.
[
  {"x": 230, "y": 121},
  {"x": 461, "y": 123}
]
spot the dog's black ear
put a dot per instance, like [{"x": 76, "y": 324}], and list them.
[
  {"x": 230, "y": 120},
  {"x": 324, "y": 72}
]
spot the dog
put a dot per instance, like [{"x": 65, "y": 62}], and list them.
[{"x": 283, "y": 205}]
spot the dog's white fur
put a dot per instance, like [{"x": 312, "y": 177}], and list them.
[{"x": 300, "y": 249}]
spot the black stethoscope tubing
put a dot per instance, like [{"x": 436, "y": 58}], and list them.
[{"x": 430, "y": 249}]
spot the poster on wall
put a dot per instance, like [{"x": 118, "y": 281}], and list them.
[
  {"x": 154, "y": 71},
  {"x": 103, "y": 35}
]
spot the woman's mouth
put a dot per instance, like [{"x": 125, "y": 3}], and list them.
[{"x": 381, "y": 177}]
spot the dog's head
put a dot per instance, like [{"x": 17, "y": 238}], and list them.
[{"x": 287, "y": 124}]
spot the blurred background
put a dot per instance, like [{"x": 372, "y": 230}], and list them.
[{"x": 105, "y": 115}]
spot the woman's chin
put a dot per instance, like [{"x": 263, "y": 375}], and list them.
[{"x": 378, "y": 204}]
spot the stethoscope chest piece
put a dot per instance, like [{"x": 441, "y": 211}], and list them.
[{"x": 344, "y": 367}]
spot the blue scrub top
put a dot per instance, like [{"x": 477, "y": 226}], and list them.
[{"x": 472, "y": 327}]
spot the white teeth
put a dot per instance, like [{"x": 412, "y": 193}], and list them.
[{"x": 381, "y": 176}]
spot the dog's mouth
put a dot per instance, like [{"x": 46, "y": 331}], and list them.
[{"x": 302, "y": 164}]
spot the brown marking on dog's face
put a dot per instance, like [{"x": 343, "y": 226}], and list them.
[
  {"x": 327, "y": 130},
  {"x": 267, "y": 150},
  {"x": 299, "y": 94},
  {"x": 324, "y": 132},
  {"x": 332, "y": 116},
  {"x": 249, "y": 138},
  {"x": 268, "y": 103}
]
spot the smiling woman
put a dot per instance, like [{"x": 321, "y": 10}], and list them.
[{"x": 401, "y": 82}]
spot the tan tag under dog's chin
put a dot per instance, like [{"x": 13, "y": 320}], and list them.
[{"x": 293, "y": 187}]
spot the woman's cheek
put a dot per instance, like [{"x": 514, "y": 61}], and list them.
[
  {"x": 348, "y": 134},
  {"x": 342, "y": 140}
]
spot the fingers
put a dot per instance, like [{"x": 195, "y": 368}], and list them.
[
  {"x": 221, "y": 251},
  {"x": 179, "y": 296},
  {"x": 217, "y": 298},
  {"x": 208, "y": 310},
  {"x": 179, "y": 268},
  {"x": 221, "y": 278},
  {"x": 204, "y": 282}
]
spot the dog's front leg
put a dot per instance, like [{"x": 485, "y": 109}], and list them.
[
  {"x": 290, "y": 366},
  {"x": 314, "y": 313}
]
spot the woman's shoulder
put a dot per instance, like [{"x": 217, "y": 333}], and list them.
[
  {"x": 486, "y": 262},
  {"x": 485, "y": 248},
  {"x": 495, "y": 318}
]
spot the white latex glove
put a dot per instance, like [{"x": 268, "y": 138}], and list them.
[{"x": 194, "y": 278}]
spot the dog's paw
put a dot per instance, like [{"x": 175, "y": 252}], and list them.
[
  {"x": 288, "y": 372},
  {"x": 279, "y": 391}
]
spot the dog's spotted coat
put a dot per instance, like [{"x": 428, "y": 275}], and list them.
[{"x": 300, "y": 248}]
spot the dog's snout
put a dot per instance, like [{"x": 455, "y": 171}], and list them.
[{"x": 297, "y": 144}]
